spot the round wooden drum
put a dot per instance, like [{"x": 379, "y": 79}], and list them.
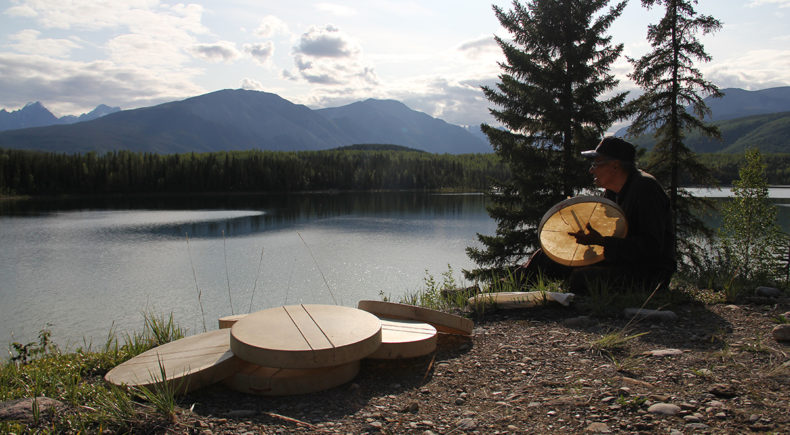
[
  {"x": 228, "y": 321},
  {"x": 402, "y": 338},
  {"x": 189, "y": 363},
  {"x": 572, "y": 215},
  {"x": 269, "y": 381},
  {"x": 305, "y": 336}
]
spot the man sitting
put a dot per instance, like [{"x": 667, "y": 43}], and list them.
[{"x": 646, "y": 256}]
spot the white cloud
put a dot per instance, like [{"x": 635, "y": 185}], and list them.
[
  {"x": 336, "y": 9},
  {"x": 146, "y": 50},
  {"x": 221, "y": 51},
  {"x": 21, "y": 11},
  {"x": 84, "y": 14},
  {"x": 755, "y": 69},
  {"x": 251, "y": 84},
  {"x": 261, "y": 52},
  {"x": 271, "y": 26},
  {"x": 76, "y": 87},
  {"x": 326, "y": 56},
  {"x": 460, "y": 102},
  {"x": 326, "y": 41},
  {"x": 780, "y": 3},
  {"x": 482, "y": 46},
  {"x": 28, "y": 41}
]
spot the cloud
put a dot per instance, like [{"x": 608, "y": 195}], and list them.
[
  {"x": 459, "y": 102},
  {"x": 251, "y": 84},
  {"x": 68, "y": 87},
  {"x": 753, "y": 70},
  {"x": 28, "y": 41},
  {"x": 477, "y": 47},
  {"x": 261, "y": 52},
  {"x": 780, "y": 3},
  {"x": 104, "y": 14},
  {"x": 336, "y": 9},
  {"x": 222, "y": 51},
  {"x": 326, "y": 41},
  {"x": 326, "y": 56},
  {"x": 147, "y": 50},
  {"x": 21, "y": 11},
  {"x": 271, "y": 26}
]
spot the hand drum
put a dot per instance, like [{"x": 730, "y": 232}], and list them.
[{"x": 572, "y": 215}]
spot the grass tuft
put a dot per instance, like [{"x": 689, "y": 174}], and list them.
[
  {"x": 614, "y": 340},
  {"x": 76, "y": 378}
]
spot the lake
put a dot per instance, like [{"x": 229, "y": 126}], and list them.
[{"x": 85, "y": 267}]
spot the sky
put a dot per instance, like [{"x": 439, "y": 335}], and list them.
[{"x": 433, "y": 55}]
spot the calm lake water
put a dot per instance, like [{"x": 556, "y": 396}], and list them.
[{"x": 86, "y": 267}]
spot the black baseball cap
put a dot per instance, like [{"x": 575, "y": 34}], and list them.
[{"x": 613, "y": 148}]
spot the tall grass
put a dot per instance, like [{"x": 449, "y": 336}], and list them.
[
  {"x": 197, "y": 288},
  {"x": 162, "y": 394},
  {"x": 75, "y": 378},
  {"x": 439, "y": 295},
  {"x": 255, "y": 284},
  {"x": 227, "y": 272}
]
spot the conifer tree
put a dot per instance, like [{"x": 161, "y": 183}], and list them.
[
  {"x": 548, "y": 99},
  {"x": 672, "y": 83}
]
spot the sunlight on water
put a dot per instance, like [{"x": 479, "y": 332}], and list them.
[
  {"x": 85, "y": 271},
  {"x": 84, "y": 268}
]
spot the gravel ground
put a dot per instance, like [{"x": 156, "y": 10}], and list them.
[
  {"x": 715, "y": 369},
  {"x": 712, "y": 369}
]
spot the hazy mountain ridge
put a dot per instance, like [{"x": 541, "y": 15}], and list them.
[
  {"x": 36, "y": 115},
  {"x": 241, "y": 119},
  {"x": 370, "y": 121},
  {"x": 746, "y": 119},
  {"x": 769, "y": 133}
]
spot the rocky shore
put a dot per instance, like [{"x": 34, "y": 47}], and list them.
[{"x": 709, "y": 369}]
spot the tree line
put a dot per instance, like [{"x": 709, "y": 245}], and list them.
[
  {"x": 725, "y": 167},
  {"x": 39, "y": 173}
]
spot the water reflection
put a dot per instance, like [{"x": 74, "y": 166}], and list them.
[
  {"x": 249, "y": 214},
  {"x": 86, "y": 269}
]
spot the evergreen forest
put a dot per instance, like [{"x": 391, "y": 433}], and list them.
[
  {"x": 122, "y": 172},
  {"x": 352, "y": 168}
]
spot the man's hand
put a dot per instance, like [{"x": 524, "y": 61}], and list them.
[{"x": 591, "y": 238}]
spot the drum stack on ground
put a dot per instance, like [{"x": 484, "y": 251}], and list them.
[{"x": 294, "y": 349}]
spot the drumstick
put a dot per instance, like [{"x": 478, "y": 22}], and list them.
[{"x": 576, "y": 218}]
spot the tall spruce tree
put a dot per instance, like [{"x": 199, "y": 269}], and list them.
[
  {"x": 549, "y": 100},
  {"x": 672, "y": 83}
]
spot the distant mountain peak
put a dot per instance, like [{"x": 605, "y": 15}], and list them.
[
  {"x": 237, "y": 119},
  {"x": 36, "y": 115},
  {"x": 32, "y": 115}
]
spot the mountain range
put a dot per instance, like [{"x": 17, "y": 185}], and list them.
[
  {"x": 746, "y": 119},
  {"x": 243, "y": 119},
  {"x": 36, "y": 115}
]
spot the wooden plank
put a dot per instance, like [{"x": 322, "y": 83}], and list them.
[
  {"x": 443, "y": 322},
  {"x": 508, "y": 300}
]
